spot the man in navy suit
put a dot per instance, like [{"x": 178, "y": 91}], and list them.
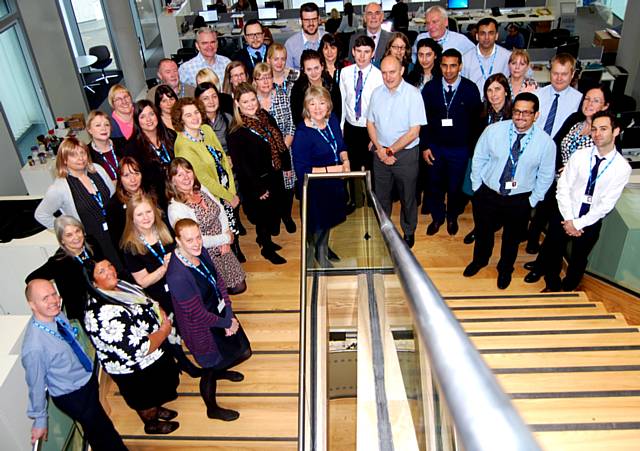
[
  {"x": 256, "y": 50},
  {"x": 453, "y": 105}
]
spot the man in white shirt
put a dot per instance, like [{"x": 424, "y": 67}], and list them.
[
  {"x": 168, "y": 75},
  {"x": 558, "y": 100},
  {"x": 437, "y": 21},
  {"x": 588, "y": 189},
  {"x": 308, "y": 38},
  {"x": 487, "y": 58},
  {"x": 207, "y": 45},
  {"x": 373, "y": 17}
]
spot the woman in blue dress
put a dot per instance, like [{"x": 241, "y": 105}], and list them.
[{"x": 318, "y": 147}]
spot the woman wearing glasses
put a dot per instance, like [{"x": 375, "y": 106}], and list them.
[
  {"x": 399, "y": 47},
  {"x": 274, "y": 101},
  {"x": 122, "y": 126}
]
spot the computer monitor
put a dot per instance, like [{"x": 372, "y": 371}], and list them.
[
  {"x": 515, "y": 3},
  {"x": 296, "y": 4},
  {"x": 267, "y": 13},
  {"x": 328, "y": 6},
  {"x": 209, "y": 16},
  {"x": 572, "y": 48},
  {"x": 387, "y": 5},
  {"x": 457, "y": 4}
]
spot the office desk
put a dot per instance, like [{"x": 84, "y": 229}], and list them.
[{"x": 280, "y": 35}]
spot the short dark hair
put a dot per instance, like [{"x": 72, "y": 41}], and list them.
[
  {"x": 364, "y": 41},
  {"x": 606, "y": 113},
  {"x": 308, "y": 55},
  {"x": 251, "y": 22},
  {"x": 452, "y": 53},
  {"x": 528, "y": 97},
  {"x": 488, "y": 21},
  {"x": 202, "y": 87},
  {"x": 309, "y": 8}
]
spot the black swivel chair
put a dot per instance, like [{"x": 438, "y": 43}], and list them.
[{"x": 104, "y": 60}]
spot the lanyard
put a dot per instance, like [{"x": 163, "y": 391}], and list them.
[
  {"x": 192, "y": 139},
  {"x": 208, "y": 275},
  {"x": 330, "y": 140},
  {"x": 98, "y": 198},
  {"x": 153, "y": 251},
  {"x": 162, "y": 153},
  {"x": 84, "y": 256},
  {"x": 514, "y": 163},
  {"x": 55, "y": 333},
  {"x": 578, "y": 139},
  {"x": 444, "y": 96},
  {"x": 112, "y": 169},
  {"x": 591, "y": 182},
  {"x": 442, "y": 41},
  {"x": 182, "y": 91},
  {"x": 265, "y": 139},
  {"x": 364, "y": 82},
  {"x": 493, "y": 60}
]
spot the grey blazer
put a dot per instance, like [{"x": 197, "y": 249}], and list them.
[{"x": 380, "y": 46}]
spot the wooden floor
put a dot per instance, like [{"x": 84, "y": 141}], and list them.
[{"x": 571, "y": 367}]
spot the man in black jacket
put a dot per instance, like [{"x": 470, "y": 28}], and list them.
[{"x": 256, "y": 50}]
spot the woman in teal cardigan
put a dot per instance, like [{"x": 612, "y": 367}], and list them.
[{"x": 199, "y": 144}]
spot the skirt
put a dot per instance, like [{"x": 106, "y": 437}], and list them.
[{"x": 151, "y": 387}]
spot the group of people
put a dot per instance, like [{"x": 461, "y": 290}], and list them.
[{"x": 150, "y": 209}]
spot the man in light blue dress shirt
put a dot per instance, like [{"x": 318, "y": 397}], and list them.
[
  {"x": 512, "y": 168},
  {"x": 52, "y": 365},
  {"x": 487, "y": 58},
  {"x": 308, "y": 38},
  {"x": 207, "y": 57},
  {"x": 437, "y": 21},
  {"x": 396, "y": 113}
]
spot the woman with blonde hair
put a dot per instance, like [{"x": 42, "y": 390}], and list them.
[
  {"x": 283, "y": 77},
  {"x": 121, "y": 102},
  {"x": 274, "y": 101},
  {"x": 82, "y": 190},
  {"x": 206, "y": 75},
  {"x": 520, "y": 79},
  {"x": 102, "y": 148}
]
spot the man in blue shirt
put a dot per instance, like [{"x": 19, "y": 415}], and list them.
[
  {"x": 308, "y": 38},
  {"x": 512, "y": 168},
  {"x": 453, "y": 106},
  {"x": 256, "y": 50},
  {"x": 437, "y": 21},
  {"x": 395, "y": 115},
  {"x": 54, "y": 363}
]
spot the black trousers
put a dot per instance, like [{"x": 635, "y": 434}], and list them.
[
  {"x": 357, "y": 142},
  {"x": 542, "y": 214},
  {"x": 445, "y": 177},
  {"x": 549, "y": 260},
  {"x": 491, "y": 209},
  {"x": 83, "y": 406}
]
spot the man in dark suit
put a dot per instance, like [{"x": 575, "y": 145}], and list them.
[
  {"x": 373, "y": 18},
  {"x": 256, "y": 50},
  {"x": 452, "y": 104}
]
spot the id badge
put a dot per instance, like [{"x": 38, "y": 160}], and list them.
[
  {"x": 166, "y": 288},
  {"x": 511, "y": 184},
  {"x": 105, "y": 226},
  {"x": 447, "y": 122},
  {"x": 220, "y": 306},
  {"x": 587, "y": 199}
]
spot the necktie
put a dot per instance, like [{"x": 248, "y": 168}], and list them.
[
  {"x": 449, "y": 94},
  {"x": 591, "y": 186},
  {"x": 359, "y": 86},
  {"x": 511, "y": 162},
  {"x": 257, "y": 58},
  {"x": 548, "y": 125},
  {"x": 77, "y": 349}
]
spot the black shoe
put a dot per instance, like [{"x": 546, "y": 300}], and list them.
[
  {"x": 241, "y": 230},
  {"x": 272, "y": 256},
  {"x": 433, "y": 227},
  {"x": 240, "y": 256},
  {"x": 472, "y": 269},
  {"x": 549, "y": 290},
  {"x": 504, "y": 279},
  {"x": 233, "y": 376},
  {"x": 452, "y": 226},
  {"x": 332, "y": 255},
  {"x": 469, "y": 237},
  {"x": 166, "y": 414},
  {"x": 532, "y": 247},
  {"x": 269, "y": 245},
  {"x": 531, "y": 266},
  {"x": 351, "y": 207},
  {"x": 410, "y": 240},
  {"x": 193, "y": 371},
  {"x": 532, "y": 277},
  {"x": 160, "y": 427},
  {"x": 290, "y": 226},
  {"x": 218, "y": 413}
]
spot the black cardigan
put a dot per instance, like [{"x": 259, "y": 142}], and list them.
[{"x": 299, "y": 90}]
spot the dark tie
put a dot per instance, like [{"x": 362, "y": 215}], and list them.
[
  {"x": 511, "y": 162},
  {"x": 359, "y": 86},
  {"x": 257, "y": 58},
  {"x": 548, "y": 125},
  {"x": 591, "y": 186},
  {"x": 77, "y": 349},
  {"x": 449, "y": 94}
]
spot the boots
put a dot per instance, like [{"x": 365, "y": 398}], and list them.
[{"x": 208, "y": 392}]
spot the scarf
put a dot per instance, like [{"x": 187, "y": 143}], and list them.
[{"x": 270, "y": 133}]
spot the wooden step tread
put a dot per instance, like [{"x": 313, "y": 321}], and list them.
[
  {"x": 268, "y": 331},
  {"x": 618, "y": 440},
  {"x": 595, "y": 309},
  {"x": 556, "y": 341},
  {"x": 569, "y": 384},
  {"x": 551, "y": 325},
  {"x": 579, "y": 410},
  {"x": 562, "y": 359},
  {"x": 168, "y": 443}
]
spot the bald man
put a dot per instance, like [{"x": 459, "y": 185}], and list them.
[{"x": 54, "y": 362}]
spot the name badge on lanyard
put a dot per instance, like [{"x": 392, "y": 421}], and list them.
[
  {"x": 447, "y": 122},
  {"x": 105, "y": 226},
  {"x": 220, "y": 305},
  {"x": 587, "y": 199},
  {"x": 510, "y": 184}
]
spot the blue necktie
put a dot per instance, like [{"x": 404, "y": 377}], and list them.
[
  {"x": 591, "y": 186},
  {"x": 77, "y": 349},
  {"x": 359, "y": 86},
  {"x": 548, "y": 125},
  {"x": 508, "y": 168}
]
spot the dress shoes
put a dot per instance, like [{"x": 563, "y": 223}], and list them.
[
  {"x": 268, "y": 245},
  {"x": 290, "y": 226},
  {"x": 433, "y": 227},
  {"x": 472, "y": 269},
  {"x": 533, "y": 276},
  {"x": 233, "y": 376},
  {"x": 272, "y": 256},
  {"x": 410, "y": 240},
  {"x": 160, "y": 427},
  {"x": 504, "y": 280},
  {"x": 452, "y": 227},
  {"x": 166, "y": 414},
  {"x": 532, "y": 247},
  {"x": 469, "y": 237},
  {"x": 531, "y": 266}
]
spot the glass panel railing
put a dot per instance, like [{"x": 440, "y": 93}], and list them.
[{"x": 384, "y": 363}]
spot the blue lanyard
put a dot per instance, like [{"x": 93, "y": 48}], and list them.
[
  {"x": 153, "y": 251},
  {"x": 162, "y": 153},
  {"x": 259, "y": 135},
  {"x": 590, "y": 183},
  {"x": 113, "y": 170},
  {"x": 182, "y": 91},
  {"x": 442, "y": 41},
  {"x": 364, "y": 82},
  {"x": 493, "y": 60},
  {"x": 55, "y": 333},
  {"x": 208, "y": 275},
  {"x": 330, "y": 140},
  {"x": 98, "y": 198},
  {"x": 514, "y": 163},
  {"x": 192, "y": 139},
  {"x": 82, "y": 257},
  {"x": 444, "y": 96}
]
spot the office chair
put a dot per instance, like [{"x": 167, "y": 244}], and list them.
[
  {"x": 589, "y": 79},
  {"x": 104, "y": 60}
]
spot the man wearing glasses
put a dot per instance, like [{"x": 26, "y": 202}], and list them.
[
  {"x": 308, "y": 38},
  {"x": 207, "y": 45},
  {"x": 512, "y": 168},
  {"x": 256, "y": 50},
  {"x": 373, "y": 18}
]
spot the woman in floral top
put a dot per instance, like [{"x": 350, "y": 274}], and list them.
[{"x": 127, "y": 329}]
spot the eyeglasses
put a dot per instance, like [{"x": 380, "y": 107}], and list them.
[
  {"x": 594, "y": 100},
  {"x": 123, "y": 99},
  {"x": 315, "y": 19},
  {"x": 264, "y": 78},
  {"x": 523, "y": 113},
  {"x": 255, "y": 35},
  {"x": 399, "y": 47}
]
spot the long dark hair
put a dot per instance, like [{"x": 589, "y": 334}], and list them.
[
  {"x": 164, "y": 136},
  {"x": 163, "y": 90},
  {"x": 487, "y": 109},
  {"x": 416, "y": 74},
  {"x": 348, "y": 10},
  {"x": 200, "y": 89}
]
